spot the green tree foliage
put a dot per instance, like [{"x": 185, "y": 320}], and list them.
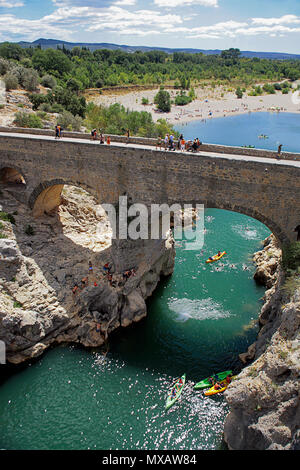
[
  {"x": 182, "y": 99},
  {"x": 11, "y": 81},
  {"x": 48, "y": 81},
  {"x": 10, "y": 50},
  {"x": 239, "y": 93},
  {"x": 115, "y": 119},
  {"x": 105, "y": 67},
  {"x": 163, "y": 101},
  {"x": 51, "y": 61},
  {"x": 28, "y": 120},
  {"x": 69, "y": 122},
  {"x": 291, "y": 256}
]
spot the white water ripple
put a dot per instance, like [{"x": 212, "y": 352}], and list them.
[{"x": 197, "y": 309}]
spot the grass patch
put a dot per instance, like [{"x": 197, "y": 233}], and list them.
[
  {"x": 17, "y": 304},
  {"x": 7, "y": 217}
]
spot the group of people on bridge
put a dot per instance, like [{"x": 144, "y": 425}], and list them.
[
  {"x": 168, "y": 143},
  {"x": 101, "y": 137}
]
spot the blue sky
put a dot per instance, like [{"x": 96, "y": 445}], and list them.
[{"x": 257, "y": 25}]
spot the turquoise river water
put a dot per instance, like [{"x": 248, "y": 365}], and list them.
[
  {"x": 244, "y": 130},
  {"x": 199, "y": 320}
]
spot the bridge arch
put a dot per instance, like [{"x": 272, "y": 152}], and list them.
[
  {"x": 11, "y": 175},
  {"x": 245, "y": 210},
  {"x": 46, "y": 197}
]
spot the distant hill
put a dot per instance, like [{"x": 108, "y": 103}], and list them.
[{"x": 53, "y": 43}]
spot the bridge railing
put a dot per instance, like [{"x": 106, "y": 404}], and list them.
[{"x": 144, "y": 141}]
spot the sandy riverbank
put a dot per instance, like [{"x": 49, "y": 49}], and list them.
[{"x": 208, "y": 105}]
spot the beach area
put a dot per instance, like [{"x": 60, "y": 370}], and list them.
[{"x": 209, "y": 103}]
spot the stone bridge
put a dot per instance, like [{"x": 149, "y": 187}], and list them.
[{"x": 248, "y": 181}]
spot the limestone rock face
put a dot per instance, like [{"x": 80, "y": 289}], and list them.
[
  {"x": 9, "y": 252},
  {"x": 53, "y": 287},
  {"x": 264, "y": 400}
]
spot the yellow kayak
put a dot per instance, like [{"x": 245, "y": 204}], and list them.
[
  {"x": 216, "y": 257},
  {"x": 224, "y": 384}
]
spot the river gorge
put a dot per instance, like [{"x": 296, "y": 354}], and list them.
[
  {"x": 199, "y": 320},
  {"x": 90, "y": 358}
]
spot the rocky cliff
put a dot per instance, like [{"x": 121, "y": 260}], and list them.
[
  {"x": 264, "y": 400},
  {"x": 53, "y": 287}
]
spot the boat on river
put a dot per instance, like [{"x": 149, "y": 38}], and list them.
[
  {"x": 219, "y": 387},
  {"x": 175, "y": 392},
  {"x": 214, "y": 258},
  {"x": 206, "y": 383}
]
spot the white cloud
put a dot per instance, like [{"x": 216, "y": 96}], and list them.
[
  {"x": 215, "y": 31},
  {"x": 71, "y": 18},
  {"x": 177, "y": 3},
  {"x": 65, "y": 22},
  {"x": 118, "y": 19},
  {"x": 125, "y": 2},
  {"x": 286, "y": 19},
  {"x": 233, "y": 29},
  {"x": 11, "y": 26},
  {"x": 6, "y": 4}
]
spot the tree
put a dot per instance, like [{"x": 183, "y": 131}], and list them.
[
  {"x": 11, "y": 81},
  {"x": 231, "y": 53},
  {"x": 163, "y": 101},
  {"x": 51, "y": 60},
  {"x": 48, "y": 81},
  {"x": 11, "y": 51},
  {"x": 239, "y": 93}
]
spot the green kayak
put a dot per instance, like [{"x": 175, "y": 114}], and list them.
[
  {"x": 175, "y": 392},
  {"x": 205, "y": 383}
]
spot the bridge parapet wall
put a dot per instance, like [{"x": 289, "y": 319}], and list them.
[{"x": 205, "y": 147}]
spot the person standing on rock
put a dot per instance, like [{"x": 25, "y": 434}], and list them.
[{"x": 90, "y": 267}]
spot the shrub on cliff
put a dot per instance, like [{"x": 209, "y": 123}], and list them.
[
  {"x": 28, "y": 120},
  {"x": 11, "y": 81},
  {"x": 291, "y": 257},
  {"x": 69, "y": 122},
  {"x": 48, "y": 81}
]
